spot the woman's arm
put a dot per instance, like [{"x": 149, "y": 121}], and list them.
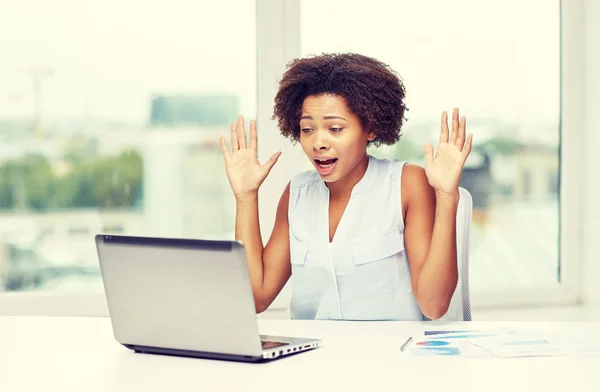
[
  {"x": 269, "y": 266},
  {"x": 430, "y": 216},
  {"x": 430, "y": 242}
]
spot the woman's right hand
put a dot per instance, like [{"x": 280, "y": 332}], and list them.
[{"x": 244, "y": 171}]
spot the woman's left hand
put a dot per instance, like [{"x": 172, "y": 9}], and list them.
[{"x": 444, "y": 168}]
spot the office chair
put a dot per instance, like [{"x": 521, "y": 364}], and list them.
[{"x": 460, "y": 304}]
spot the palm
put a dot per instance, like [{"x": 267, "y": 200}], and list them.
[
  {"x": 444, "y": 168},
  {"x": 244, "y": 171}
]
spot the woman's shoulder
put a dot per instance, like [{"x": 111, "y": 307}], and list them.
[
  {"x": 411, "y": 176},
  {"x": 413, "y": 172},
  {"x": 414, "y": 183}
]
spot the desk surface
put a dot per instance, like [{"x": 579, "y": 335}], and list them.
[{"x": 75, "y": 354}]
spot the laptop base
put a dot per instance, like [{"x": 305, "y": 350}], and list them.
[{"x": 192, "y": 354}]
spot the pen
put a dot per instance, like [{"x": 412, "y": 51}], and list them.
[{"x": 406, "y": 343}]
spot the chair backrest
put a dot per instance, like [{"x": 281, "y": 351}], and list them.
[{"x": 460, "y": 305}]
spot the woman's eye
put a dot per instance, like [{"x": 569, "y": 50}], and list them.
[
  {"x": 306, "y": 130},
  {"x": 334, "y": 129}
]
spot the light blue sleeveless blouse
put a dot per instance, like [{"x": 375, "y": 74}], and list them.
[{"x": 364, "y": 273}]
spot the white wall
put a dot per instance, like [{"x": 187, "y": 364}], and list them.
[{"x": 591, "y": 155}]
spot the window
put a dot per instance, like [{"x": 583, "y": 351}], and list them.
[
  {"x": 109, "y": 123},
  {"x": 505, "y": 80}
]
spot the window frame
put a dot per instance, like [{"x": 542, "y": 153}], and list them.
[{"x": 278, "y": 41}]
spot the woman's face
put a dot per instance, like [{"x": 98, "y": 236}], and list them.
[{"x": 332, "y": 136}]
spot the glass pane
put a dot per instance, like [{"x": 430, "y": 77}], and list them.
[
  {"x": 110, "y": 114},
  {"x": 503, "y": 73}
]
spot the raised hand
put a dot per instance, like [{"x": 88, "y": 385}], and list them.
[
  {"x": 244, "y": 171},
  {"x": 444, "y": 168}
]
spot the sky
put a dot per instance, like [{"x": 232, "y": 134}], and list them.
[{"x": 106, "y": 57}]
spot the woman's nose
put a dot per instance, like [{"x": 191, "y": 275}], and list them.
[{"x": 320, "y": 141}]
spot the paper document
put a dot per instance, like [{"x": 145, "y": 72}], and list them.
[{"x": 504, "y": 343}]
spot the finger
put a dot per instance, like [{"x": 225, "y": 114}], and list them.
[
  {"x": 468, "y": 145},
  {"x": 428, "y": 153},
  {"x": 241, "y": 133},
  {"x": 268, "y": 165},
  {"x": 460, "y": 139},
  {"x": 454, "y": 132},
  {"x": 234, "y": 139},
  {"x": 224, "y": 149},
  {"x": 444, "y": 128},
  {"x": 253, "y": 138}
]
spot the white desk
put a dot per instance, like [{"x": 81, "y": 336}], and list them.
[{"x": 80, "y": 354}]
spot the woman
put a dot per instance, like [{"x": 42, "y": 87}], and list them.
[{"x": 362, "y": 238}]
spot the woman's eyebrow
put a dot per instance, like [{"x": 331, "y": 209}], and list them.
[{"x": 324, "y": 118}]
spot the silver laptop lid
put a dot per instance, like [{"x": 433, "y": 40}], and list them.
[{"x": 179, "y": 294}]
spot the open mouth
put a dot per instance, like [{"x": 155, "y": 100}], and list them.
[
  {"x": 325, "y": 163},
  {"x": 325, "y": 166}
]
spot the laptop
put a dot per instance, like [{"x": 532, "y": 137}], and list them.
[{"x": 186, "y": 297}]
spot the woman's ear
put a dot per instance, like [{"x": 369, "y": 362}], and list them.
[{"x": 371, "y": 136}]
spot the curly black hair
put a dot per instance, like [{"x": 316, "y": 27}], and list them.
[{"x": 371, "y": 89}]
